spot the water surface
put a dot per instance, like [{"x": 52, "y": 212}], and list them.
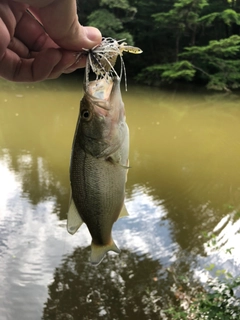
[{"x": 184, "y": 183}]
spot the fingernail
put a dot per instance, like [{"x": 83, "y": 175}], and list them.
[{"x": 93, "y": 34}]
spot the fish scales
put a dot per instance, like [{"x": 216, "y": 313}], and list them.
[
  {"x": 99, "y": 165},
  {"x": 97, "y": 187}
]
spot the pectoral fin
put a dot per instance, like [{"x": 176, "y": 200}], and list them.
[
  {"x": 114, "y": 160},
  {"x": 74, "y": 220}
]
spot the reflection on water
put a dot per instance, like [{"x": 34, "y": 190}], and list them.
[
  {"x": 183, "y": 183},
  {"x": 129, "y": 286}
]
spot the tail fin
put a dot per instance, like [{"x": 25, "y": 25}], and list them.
[{"x": 98, "y": 252}]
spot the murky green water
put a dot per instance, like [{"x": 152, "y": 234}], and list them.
[{"x": 184, "y": 182}]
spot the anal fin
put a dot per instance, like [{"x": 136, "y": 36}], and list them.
[{"x": 124, "y": 212}]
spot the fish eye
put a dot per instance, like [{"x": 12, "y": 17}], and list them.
[{"x": 86, "y": 114}]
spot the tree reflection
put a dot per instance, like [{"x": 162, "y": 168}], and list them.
[
  {"x": 39, "y": 182},
  {"x": 127, "y": 286},
  {"x": 35, "y": 138}
]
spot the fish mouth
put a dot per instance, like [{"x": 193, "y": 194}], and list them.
[
  {"x": 100, "y": 89},
  {"x": 104, "y": 92}
]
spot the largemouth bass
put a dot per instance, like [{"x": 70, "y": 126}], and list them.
[{"x": 99, "y": 164}]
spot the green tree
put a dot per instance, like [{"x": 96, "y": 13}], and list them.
[
  {"x": 224, "y": 23},
  {"x": 181, "y": 19},
  {"x": 111, "y": 17},
  {"x": 218, "y": 62}
]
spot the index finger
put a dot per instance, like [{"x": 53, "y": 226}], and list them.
[
  {"x": 32, "y": 34},
  {"x": 60, "y": 20}
]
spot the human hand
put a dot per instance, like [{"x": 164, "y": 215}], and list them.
[{"x": 35, "y": 51}]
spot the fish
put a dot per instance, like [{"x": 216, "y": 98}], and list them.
[{"x": 99, "y": 165}]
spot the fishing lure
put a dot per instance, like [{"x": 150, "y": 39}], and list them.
[{"x": 102, "y": 58}]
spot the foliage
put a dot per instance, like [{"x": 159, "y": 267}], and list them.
[
  {"x": 167, "y": 72},
  {"x": 136, "y": 287},
  {"x": 105, "y": 20},
  {"x": 110, "y": 18},
  {"x": 183, "y": 40},
  {"x": 228, "y": 17},
  {"x": 218, "y": 62},
  {"x": 217, "y": 302},
  {"x": 184, "y": 15},
  {"x": 182, "y": 18}
]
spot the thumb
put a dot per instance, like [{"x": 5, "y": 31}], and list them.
[{"x": 60, "y": 21}]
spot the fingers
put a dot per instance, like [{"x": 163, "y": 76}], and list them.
[
  {"x": 61, "y": 23},
  {"x": 80, "y": 63},
  {"x": 69, "y": 63},
  {"x": 8, "y": 17},
  {"x": 14, "y": 68},
  {"x": 29, "y": 52},
  {"x": 5, "y": 38},
  {"x": 48, "y": 64},
  {"x": 30, "y": 32},
  {"x": 19, "y": 48},
  {"x": 60, "y": 20},
  {"x": 32, "y": 55}
]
